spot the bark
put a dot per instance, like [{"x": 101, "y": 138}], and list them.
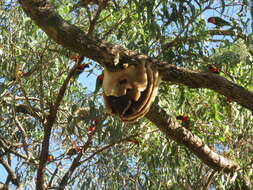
[
  {"x": 194, "y": 79},
  {"x": 104, "y": 53},
  {"x": 71, "y": 37},
  {"x": 183, "y": 136}
]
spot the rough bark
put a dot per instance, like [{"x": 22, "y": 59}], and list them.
[
  {"x": 194, "y": 79},
  {"x": 71, "y": 37},
  {"x": 104, "y": 53},
  {"x": 183, "y": 136}
]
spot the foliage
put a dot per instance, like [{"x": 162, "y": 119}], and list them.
[{"x": 124, "y": 156}]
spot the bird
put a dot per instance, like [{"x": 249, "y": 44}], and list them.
[
  {"x": 99, "y": 83},
  {"x": 219, "y": 22},
  {"x": 213, "y": 69},
  {"x": 80, "y": 68}
]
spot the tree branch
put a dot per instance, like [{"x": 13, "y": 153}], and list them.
[
  {"x": 182, "y": 136},
  {"x": 75, "y": 163},
  {"x": 14, "y": 177},
  {"x": 73, "y": 38},
  {"x": 179, "y": 40},
  {"x": 93, "y": 22},
  {"x": 40, "y": 184},
  {"x": 193, "y": 79}
]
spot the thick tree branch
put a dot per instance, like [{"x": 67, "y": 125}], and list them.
[
  {"x": 73, "y": 38},
  {"x": 181, "y": 135},
  {"x": 193, "y": 79},
  {"x": 70, "y": 36}
]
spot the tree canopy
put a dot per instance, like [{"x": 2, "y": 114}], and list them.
[{"x": 54, "y": 130}]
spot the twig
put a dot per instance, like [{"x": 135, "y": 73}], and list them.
[
  {"x": 14, "y": 178},
  {"x": 101, "y": 6},
  {"x": 75, "y": 163},
  {"x": 24, "y": 134},
  {"x": 108, "y": 146},
  {"x": 54, "y": 174},
  {"x": 8, "y": 148},
  {"x": 209, "y": 180}
]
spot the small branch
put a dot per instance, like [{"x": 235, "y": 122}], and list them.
[
  {"x": 25, "y": 109},
  {"x": 227, "y": 33},
  {"x": 24, "y": 134},
  {"x": 101, "y": 6},
  {"x": 114, "y": 27},
  {"x": 179, "y": 40},
  {"x": 75, "y": 163},
  {"x": 4, "y": 187},
  {"x": 182, "y": 136},
  {"x": 40, "y": 184},
  {"x": 54, "y": 174},
  {"x": 26, "y": 99},
  {"x": 210, "y": 179},
  {"x": 14, "y": 178},
  {"x": 107, "y": 147},
  {"x": 9, "y": 148},
  {"x": 62, "y": 91}
]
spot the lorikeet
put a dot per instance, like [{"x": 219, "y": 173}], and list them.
[
  {"x": 213, "y": 69},
  {"x": 219, "y": 22},
  {"x": 99, "y": 83},
  {"x": 186, "y": 122},
  {"x": 74, "y": 150},
  {"x": 79, "y": 70}
]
